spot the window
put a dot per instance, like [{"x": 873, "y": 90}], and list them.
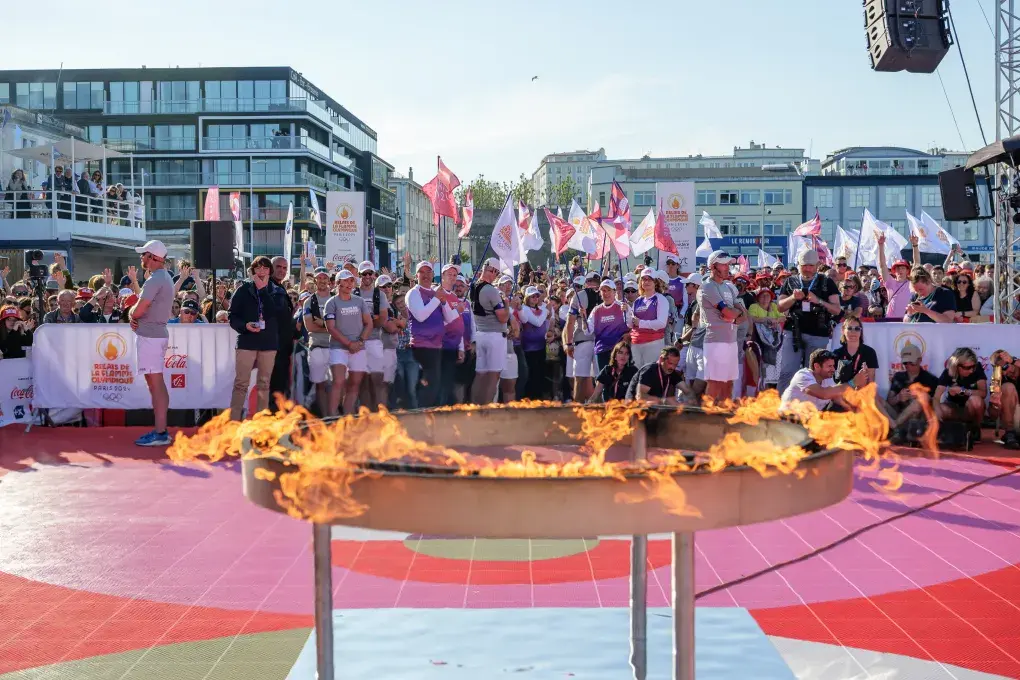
[
  {"x": 828, "y": 231},
  {"x": 727, "y": 197},
  {"x": 644, "y": 198},
  {"x": 21, "y": 90},
  {"x": 860, "y": 197},
  {"x": 602, "y": 198},
  {"x": 777, "y": 228},
  {"x": 823, "y": 198},
  {"x": 777, "y": 196},
  {"x": 750, "y": 197},
  {"x": 5, "y": 93},
  {"x": 930, "y": 197},
  {"x": 727, "y": 228},
  {"x": 855, "y": 225},
  {"x": 750, "y": 229},
  {"x": 83, "y": 95},
  {"x": 705, "y": 197},
  {"x": 900, "y": 226},
  {"x": 176, "y": 137},
  {"x": 968, "y": 231},
  {"x": 895, "y": 197}
]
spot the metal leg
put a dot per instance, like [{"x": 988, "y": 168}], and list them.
[
  {"x": 639, "y": 576},
  {"x": 683, "y": 606},
  {"x": 323, "y": 601},
  {"x": 639, "y": 606}
]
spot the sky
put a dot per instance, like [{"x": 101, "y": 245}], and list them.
[{"x": 455, "y": 77}]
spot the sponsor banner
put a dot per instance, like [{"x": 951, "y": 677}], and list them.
[
  {"x": 936, "y": 342},
  {"x": 16, "y": 391},
  {"x": 94, "y": 366},
  {"x": 345, "y": 226},
  {"x": 676, "y": 201}
]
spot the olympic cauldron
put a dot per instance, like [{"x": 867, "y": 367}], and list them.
[{"x": 440, "y": 500}]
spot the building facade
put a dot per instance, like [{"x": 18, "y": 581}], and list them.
[
  {"x": 889, "y": 182},
  {"x": 267, "y": 133},
  {"x": 557, "y": 167},
  {"x": 417, "y": 232},
  {"x": 26, "y": 128}
]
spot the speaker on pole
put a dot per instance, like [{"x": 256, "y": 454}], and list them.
[
  {"x": 959, "y": 195},
  {"x": 212, "y": 244},
  {"x": 907, "y": 35}
]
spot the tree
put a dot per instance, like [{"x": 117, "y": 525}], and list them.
[
  {"x": 487, "y": 195},
  {"x": 524, "y": 190},
  {"x": 564, "y": 191}
]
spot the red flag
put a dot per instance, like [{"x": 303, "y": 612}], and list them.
[
  {"x": 442, "y": 198},
  {"x": 468, "y": 214},
  {"x": 619, "y": 206},
  {"x": 812, "y": 227},
  {"x": 446, "y": 176},
  {"x": 824, "y": 254},
  {"x": 560, "y": 231},
  {"x": 663, "y": 239},
  {"x": 212, "y": 204}
]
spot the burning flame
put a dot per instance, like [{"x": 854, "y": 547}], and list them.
[
  {"x": 325, "y": 459},
  {"x": 344, "y": 214},
  {"x": 676, "y": 204},
  {"x": 930, "y": 438},
  {"x": 110, "y": 352}
]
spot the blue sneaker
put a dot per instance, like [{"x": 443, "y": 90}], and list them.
[{"x": 154, "y": 439}]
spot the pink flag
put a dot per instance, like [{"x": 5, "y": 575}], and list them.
[
  {"x": 467, "y": 212},
  {"x": 812, "y": 227},
  {"x": 446, "y": 175},
  {"x": 442, "y": 199},
  {"x": 663, "y": 239},
  {"x": 212, "y": 204},
  {"x": 596, "y": 217},
  {"x": 560, "y": 231},
  {"x": 235, "y": 205},
  {"x": 619, "y": 206},
  {"x": 824, "y": 254},
  {"x": 743, "y": 264}
]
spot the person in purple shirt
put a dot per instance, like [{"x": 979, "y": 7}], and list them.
[
  {"x": 676, "y": 288},
  {"x": 453, "y": 337},
  {"x": 609, "y": 322},
  {"x": 534, "y": 316},
  {"x": 428, "y": 310}
]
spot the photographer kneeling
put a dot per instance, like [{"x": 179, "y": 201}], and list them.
[
  {"x": 815, "y": 385},
  {"x": 811, "y": 301}
]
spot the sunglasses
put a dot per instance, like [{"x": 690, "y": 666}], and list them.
[
  {"x": 910, "y": 363},
  {"x": 959, "y": 281},
  {"x": 853, "y": 329},
  {"x": 190, "y": 312}
]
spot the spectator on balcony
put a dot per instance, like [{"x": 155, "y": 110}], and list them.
[
  {"x": 96, "y": 184},
  {"x": 18, "y": 194},
  {"x": 81, "y": 201}
]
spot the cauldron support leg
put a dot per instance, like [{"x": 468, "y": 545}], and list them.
[
  {"x": 639, "y": 576},
  {"x": 683, "y": 606},
  {"x": 323, "y": 601}
]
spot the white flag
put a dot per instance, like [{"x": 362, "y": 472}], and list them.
[
  {"x": 313, "y": 208},
  {"x": 288, "y": 236},
  {"x": 766, "y": 260},
  {"x": 584, "y": 231},
  {"x": 643, "y": 238},
  {"x": 704, "y": 250},
  {"x": 709, "y": 225},
  {"x": 846, "y": 246},
  {"x": 941, "y": 235},
  {"x": 559, "y": 213},
  {"x": 795, "y": 245},
  {"x": 870, "y": 230},
  {"x": 504, "y": 241},
  {"x": 530, "y": 238}
]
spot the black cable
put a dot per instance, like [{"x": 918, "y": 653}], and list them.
[
  {"x": 951, "y": 112},
  {"x": 987, "y": 23},
  {"x": 956, "y": 37},
  {"x": 854, "y": 534}
]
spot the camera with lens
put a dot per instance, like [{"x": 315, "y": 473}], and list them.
[{"x": 33, "y": 265}]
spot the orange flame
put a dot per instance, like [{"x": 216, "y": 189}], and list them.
[
  {"x": 110, "y": 352},
  {"x": 676, "y": 204},
  {"x": 930, "y": 438}
]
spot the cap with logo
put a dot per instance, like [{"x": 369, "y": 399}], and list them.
[
  {"x": 85, "y": 293},
  {"x": 910, "y": 353},
  {"x": 578, "y": 281},
  {"x": 695, "y": 279},
  {"x": 648, "y": 273},
  {"x": 448, "y": 267},
  {"x": 154, "y": 248},
  {"x": 343, "y": 275},
  {"x": 503, "y": 279},
  {"x": 592, "y": 275},
  {"x": 366, "y": 266},
  {"x": 321, "y": 271},
  {"x": 9, "y": 312},
  {"x": 424, "y": 264},
  {"x": 607, "y": 283},
  {"x": 493, "y": 262},
  {"x": 191, "y": 305},
  {"x": 531, "y": 290},
  {"x": 719, "y": 257},
  {"x": 383, "y": 280}
]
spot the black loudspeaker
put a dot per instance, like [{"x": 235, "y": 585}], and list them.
[
  {"x": 212, "y": 244},
  {"x": 959, "y": 195},
  {"x": 907, "y": 35}
]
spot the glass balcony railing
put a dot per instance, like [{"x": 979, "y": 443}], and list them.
[
  {"x": 278, "y": 142},
  {"x": 172, "y": 214},
  {"x": 228, "y": 179},
  {"x": 112, "y": 108},
  {"x": 150, "y": 144},
  {"x": 274, "y": 249},
  {"x": 262, "y": 214}
]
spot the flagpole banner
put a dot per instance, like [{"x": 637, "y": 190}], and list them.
[
  {"x": 16, "y": 391},
  {"x": 345, "y": 228},
  {"x": 677, "y": 201},
  {"x": 94, "y": 366},
  {"x": 936, "y": 342}
]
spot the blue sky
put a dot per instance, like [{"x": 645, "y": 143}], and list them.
[{"x": 453, "y": 77}]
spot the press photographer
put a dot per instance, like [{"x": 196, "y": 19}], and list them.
[{"x": 812, "y": 303}]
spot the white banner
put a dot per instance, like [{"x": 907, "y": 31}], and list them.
[
  {"x": 936, "y": 342},
  {"x": 94, "y": 366},
  {"x": 345, "y": 226},
  {"x": 677, "y": 204},
  {"x": 15, "y": 391}
]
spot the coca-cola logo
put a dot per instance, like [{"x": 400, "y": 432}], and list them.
[
  {"x": 23, "y": 393},
  {"x": 179, "y": 361}
]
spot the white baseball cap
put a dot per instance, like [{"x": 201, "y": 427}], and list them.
[
  {"x": 662, "y": 276},
  {"x": 154, "y": 248},
  {"x": 578, "y": 280},
  {"x": 503, "y": 279},
  {"x": 649, "y": 273},
  {"x": 593, "y": 275},
  {"x": 719, "y": 257},
  {"x": 447, "y": 267},
  {"x": 366, "y": 266},
  {"x": 531, "y": 290},
  {"x": 422, "y": 264},
  {"x": 808, "y": 257},
  {"x": 343, "y": 275},
  {"x": 607, "y": 283},
  {"x": 383, "y": 281},
  {"x": 492, "y": 262},
  {"x": 695, "y": 279},
  {"x": 461, "y": 279}
]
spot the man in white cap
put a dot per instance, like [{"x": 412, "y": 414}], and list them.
[
  {"x": 490, "y": 312},
  {"x": 720, "y": 313},
  {"x": 812, "y": 302},
  {"x": 318, "y": 339},
  {"x": 372, "y": 390},
  {"x": 580, "y": 341},
  {"x": 429, "y": 313},
  {"x": 676, "y": 289},
  {"x": 149, "y": 317}
]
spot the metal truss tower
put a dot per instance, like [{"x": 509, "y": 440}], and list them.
[{"x": 1007, "y": 124}]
